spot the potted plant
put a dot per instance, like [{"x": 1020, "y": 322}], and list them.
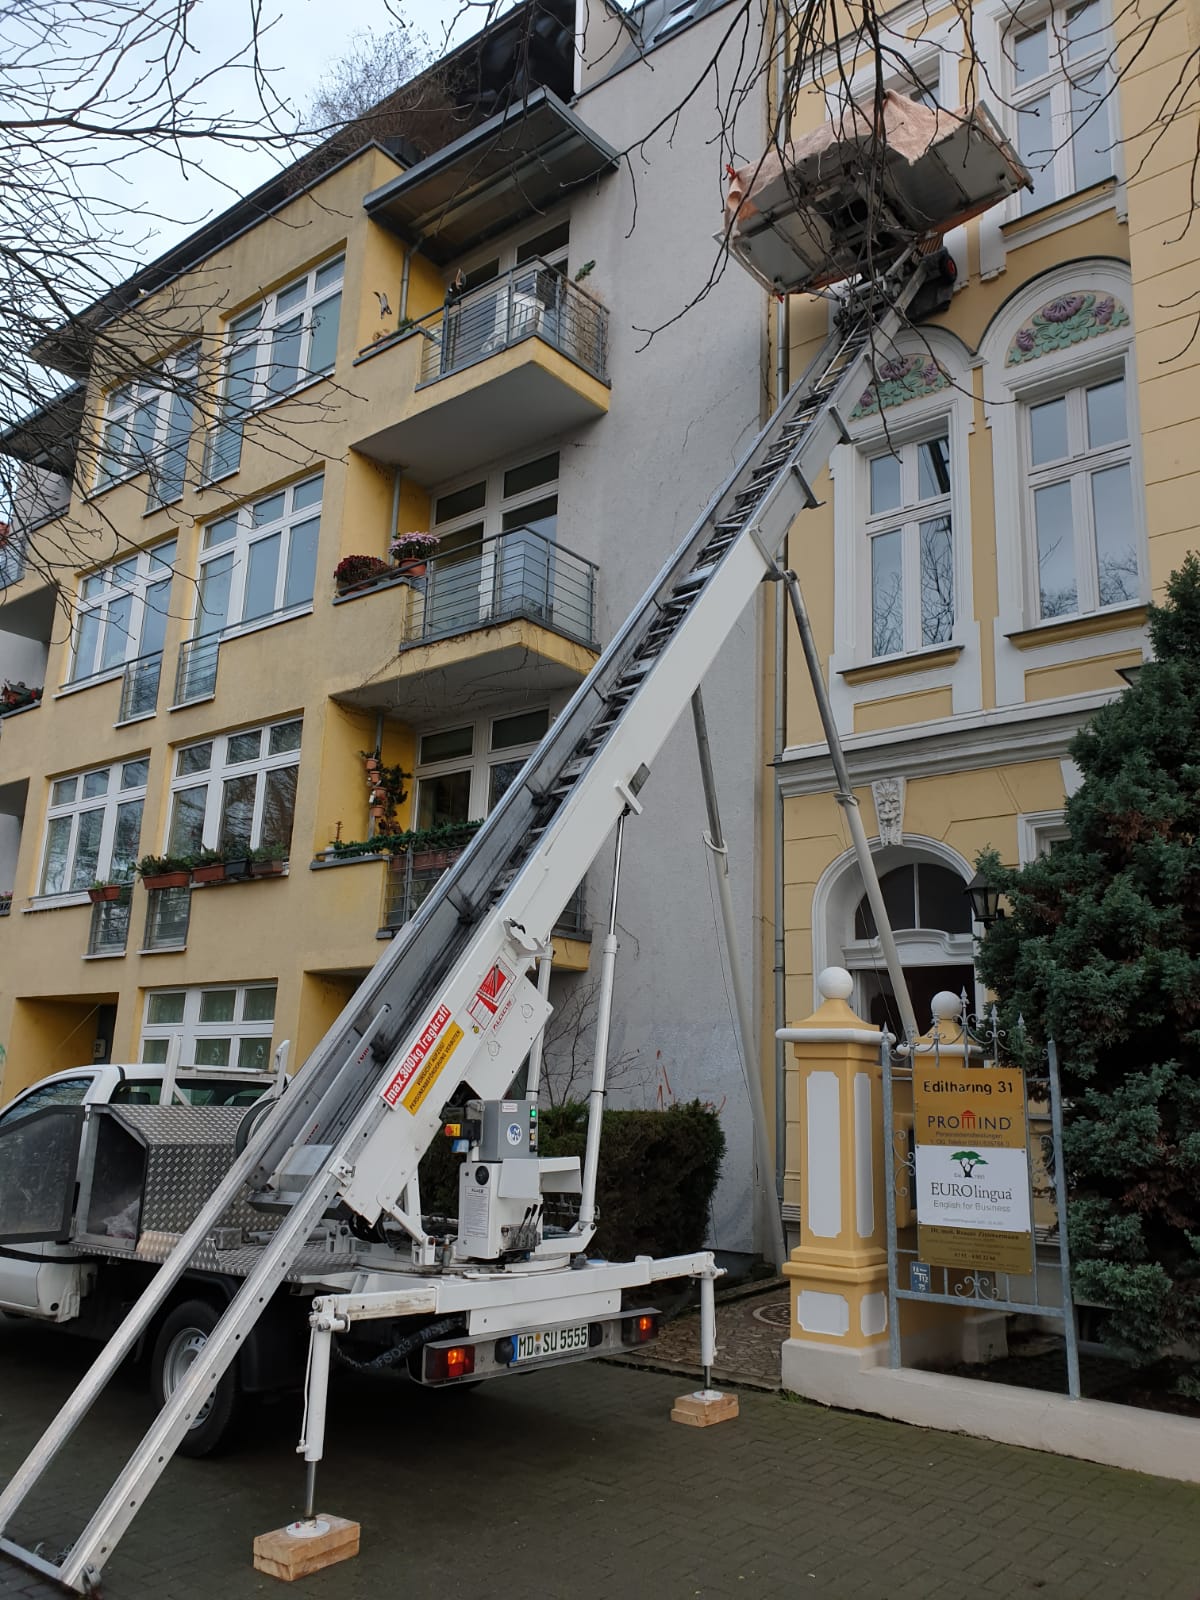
[
  {"x": 410, "y": 552},
  {"x": 165, "y": 872},
  {"x": 105, "y": 889},
  {"x": 433, "y": 849},
  {"x": 237, "y": 861},
  {"x": 5, "y": 902},
  {"x": 208, "y": 866},
  {"x": 14, "y": 694},
  {"x": 385, "y": 789},
  {"x": 267, "y": 861},
  {"x": 356, "y": 572}
]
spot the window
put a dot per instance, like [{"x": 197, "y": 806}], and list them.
[
  {"x": 235, "y": 791},
  {"x": 61, "y": 1092},
  {"x": 1060, "y": 94},
  {"x": 93, "y": 825},
  {"x": 911, "y": 549},
  {"x": 497, "y": 556},
  {"x": 462, "y": 772},
  {"x": 922, "y": 895},
  {"x": 146, "y": 427},
  {"x": 122, "y": 612},
  {"x": 1080, "y": 498},
  {"x": 261, "y": 559},
  {"x": 285, "y": 341},
  {"x": 226, "y": 1026}
]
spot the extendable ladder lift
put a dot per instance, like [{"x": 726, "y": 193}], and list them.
[{"x": 363, "y": 1109}]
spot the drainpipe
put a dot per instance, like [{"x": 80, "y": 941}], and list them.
[
  {"x": 781, "y": 387},
  {"x": 397, "y": 474},
  {"x": 403, "y": 312}
]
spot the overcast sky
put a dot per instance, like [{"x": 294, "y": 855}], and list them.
[{"x": 300, "y": 39}]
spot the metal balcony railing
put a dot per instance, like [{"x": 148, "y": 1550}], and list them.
[
  {"x": 530, "y": 300},
  {"x": 520, "y": 573},
  {"x": 168, "y": 913},
  {"x": 139, "y": 687},
  {"x": 196, "y": 670},
  {"x": 109, "y": 929},
  {"x": 12, "y": 559},
  {"x": 412, "y": 874}
]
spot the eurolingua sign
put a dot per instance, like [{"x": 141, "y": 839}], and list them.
[{"x": 972, "y": 1159}]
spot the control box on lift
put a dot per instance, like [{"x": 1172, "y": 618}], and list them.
[{"x": 503, "y": 1182}]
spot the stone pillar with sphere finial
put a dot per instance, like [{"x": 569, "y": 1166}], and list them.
[{"x": 838, "y": 1272}]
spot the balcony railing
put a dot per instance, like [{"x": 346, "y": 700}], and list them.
[
  {"x": 139, "y": 687},
  {"x": 110, "y": 924},
  {"x": 196, "y": 671},
  {"x": 12, "y": 559},
  {"x": 167, "y": 915},
  {"x": 530, "y": 300},
  {"x": 516, "y": 574},
  {"x": 412, "y": 874}
]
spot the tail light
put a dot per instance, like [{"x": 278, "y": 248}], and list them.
[
  {"x": 444, "y": 1363},
  {"x": 642, "y": 1328}
]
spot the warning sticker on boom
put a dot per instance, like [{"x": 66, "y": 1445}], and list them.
[
  {"x": 427, "y": 1077},
  {"x": 408, "y": 1068},
  {"x": 492, "y": 998}
]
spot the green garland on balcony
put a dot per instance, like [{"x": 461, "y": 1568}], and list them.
[{"x": 445, "y": 836}]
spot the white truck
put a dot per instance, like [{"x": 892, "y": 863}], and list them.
[{"x": 101, "y": 1169}]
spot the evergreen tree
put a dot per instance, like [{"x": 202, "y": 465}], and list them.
[{"x": 1101, "y": 952}]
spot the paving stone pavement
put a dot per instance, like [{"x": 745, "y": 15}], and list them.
[{"x": 573, "y": 1485}]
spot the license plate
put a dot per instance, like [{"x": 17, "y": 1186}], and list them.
[{"x": 543, "y": 1342}]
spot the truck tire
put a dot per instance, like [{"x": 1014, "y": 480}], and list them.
[{"x": 181, "y": 1338}]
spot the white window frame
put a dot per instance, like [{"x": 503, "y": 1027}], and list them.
[
  {"x": 192, "y": 1031},
  {"x": 249, "y": 343},
  {"x": 241, "y": 546},
  {"x": 1038, "y": 831},
  {"x": 1077, "y": 470},
  {"x": 906, "y": 520},
  {"x": 161, "y": 410},
  {"x": 75, "y": 808},
  {"x": 132, "y": 577},
  {"x": 481, "y": 760},
  {"x": 220, "y": 768},
  {"x": 1055, "y": 141}
]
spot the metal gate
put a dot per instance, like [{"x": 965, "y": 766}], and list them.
[{"x": 1044, "y": 1290}]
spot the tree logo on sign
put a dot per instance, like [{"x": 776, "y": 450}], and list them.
[{"x": 968, "y": 1160}]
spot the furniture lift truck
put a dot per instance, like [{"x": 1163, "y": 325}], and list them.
[{"x": 450, "y": 1001}]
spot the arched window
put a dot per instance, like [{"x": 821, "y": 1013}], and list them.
[{"x": 920, "y": 895}]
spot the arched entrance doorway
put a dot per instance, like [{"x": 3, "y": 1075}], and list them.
[{"x": 923, "y": 886}]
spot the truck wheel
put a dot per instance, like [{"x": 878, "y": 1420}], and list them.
[{"x": 181, "y": 1339}]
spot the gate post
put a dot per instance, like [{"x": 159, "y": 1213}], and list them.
[{"x": 838, "y": 1272}]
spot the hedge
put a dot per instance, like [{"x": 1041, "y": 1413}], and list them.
[{"x": 658, "y": 1171}]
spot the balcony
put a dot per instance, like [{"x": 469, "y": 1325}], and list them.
[
  {"x": 518, "y": 605},
  {"x": 517, "y": 361}
]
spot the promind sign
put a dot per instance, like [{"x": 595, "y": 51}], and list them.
[{"x": 972, "y": 1169}]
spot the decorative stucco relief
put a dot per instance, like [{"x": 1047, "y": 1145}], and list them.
[
  {"x": 908, "y": 378},
  {"x": 1067, "y": 320}
]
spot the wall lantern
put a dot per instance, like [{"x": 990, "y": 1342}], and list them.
[{"x": 985, "y": 901}]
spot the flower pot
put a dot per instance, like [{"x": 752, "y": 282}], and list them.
[
  {"x": 432, "y": 860},
  {"x": 266, "y": 869},
  {"x": 411, "y": 567},
  {"x": 108, "y": 891},
  {"x": 213, "y": 872},
  {"x": 168, "y": 880}
]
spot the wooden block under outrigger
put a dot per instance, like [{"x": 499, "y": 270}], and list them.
[
  {"x": 704, "y": 1407},
  {"x": 305, "y": 1547}
]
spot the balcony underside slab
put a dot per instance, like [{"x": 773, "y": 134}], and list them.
[
  {"x": 498, "y": 406},
  {"x": 486, "y": 669}
]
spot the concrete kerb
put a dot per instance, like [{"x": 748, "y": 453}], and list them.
[{"x": 1154, "y": 1442}]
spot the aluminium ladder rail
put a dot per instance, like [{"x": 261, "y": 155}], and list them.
[{"x": 334, "y": 1135}]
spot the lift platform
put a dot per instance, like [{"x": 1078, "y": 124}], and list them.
[{"x": 853, "y": 196}]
